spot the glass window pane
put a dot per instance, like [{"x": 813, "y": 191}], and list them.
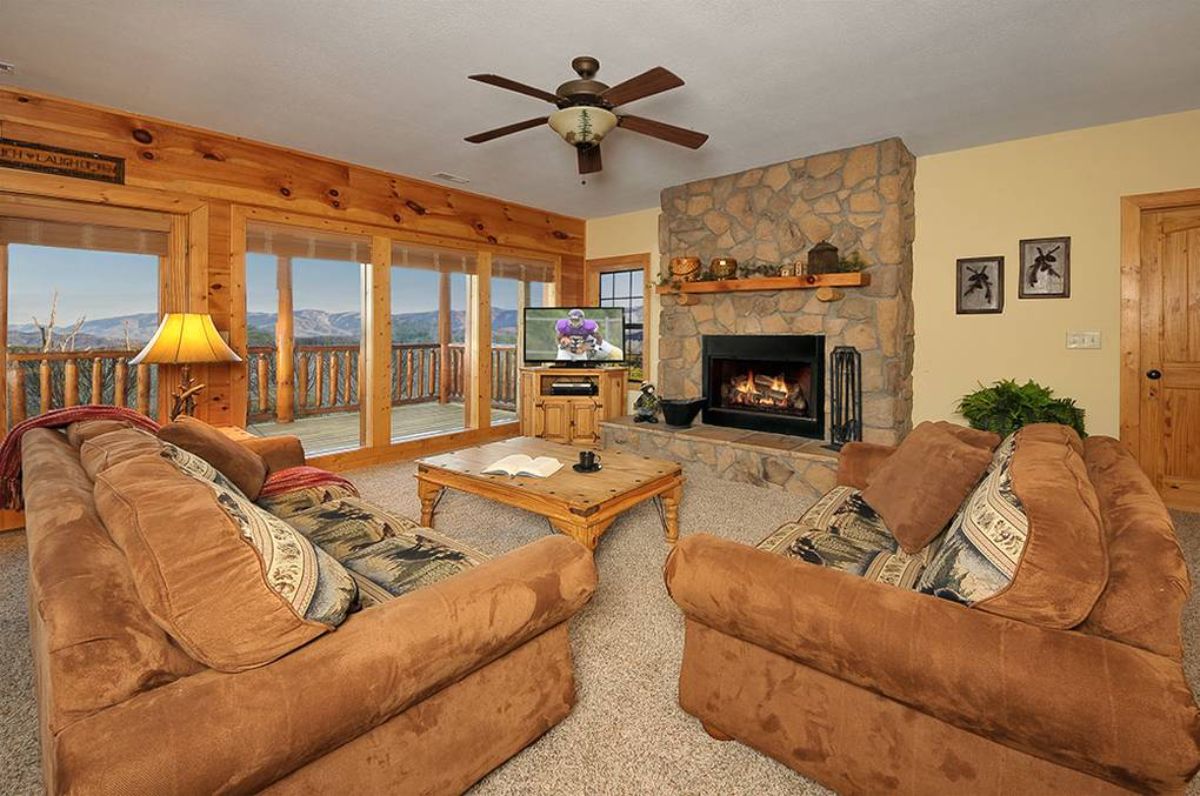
[
  {"x": 92, "y": 310},
  {"x": 507, "y": 298},
  {"x": 319, "y": 276},
  {"x": 429, "y": 296}
]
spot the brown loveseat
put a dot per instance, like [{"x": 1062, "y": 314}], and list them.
[
  {"x": 868, "y": 687},
  {"x": 422, "y": 693}
]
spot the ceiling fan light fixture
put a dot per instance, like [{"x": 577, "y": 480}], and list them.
[{"x": 583, "y": 125}]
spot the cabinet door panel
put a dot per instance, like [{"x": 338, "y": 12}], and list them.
[
  {"x": 556, "y": 420},
  {"x": 583, "y": 421}
]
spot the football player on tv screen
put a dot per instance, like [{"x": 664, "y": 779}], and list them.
[{"x": 579, "y": 339}]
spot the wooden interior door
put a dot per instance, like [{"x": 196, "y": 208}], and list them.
[{"x": 1170, "y": 354}]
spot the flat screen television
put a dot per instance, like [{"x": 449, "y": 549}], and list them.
[{"x": 574, "y": 336}]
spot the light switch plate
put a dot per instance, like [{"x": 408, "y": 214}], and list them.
[{"x": 1083, "y": 339}]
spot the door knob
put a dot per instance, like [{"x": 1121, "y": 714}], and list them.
[{"x": 1154, "y": 375}]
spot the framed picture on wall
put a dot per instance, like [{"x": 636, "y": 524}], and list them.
[
  {"x": 1045, "y": 268},
  {"x": 980, "y": 285}
]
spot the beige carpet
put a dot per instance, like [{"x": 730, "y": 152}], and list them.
[{"x": 626, "y": 734}]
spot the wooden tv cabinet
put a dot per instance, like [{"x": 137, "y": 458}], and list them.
[{"x": 571, "y": 419}]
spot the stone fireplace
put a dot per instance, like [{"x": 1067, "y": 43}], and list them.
[
  {"x": 860, "y": 200},
  {"x": 770, "y": 383}
]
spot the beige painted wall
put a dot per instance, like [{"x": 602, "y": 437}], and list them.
[
  {"x": 631, "y": 233},
  {"x": 981, "y": 202}
]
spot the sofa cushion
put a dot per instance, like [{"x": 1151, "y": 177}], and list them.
[
  {"x": 1027, "y": 543},
  {"x": 94, "y": 641},
  {"x": 918, "y": 489},
  {"x": 83, "y": 430},
  {"x": 102, "y": 451},
  {"x": 234, "y": 586},
  {"x": 387, "y": 554},
  {"x": 238, "y": 463},
  {"x": 841, "y": 531},
  {"x": 287, "y": 504},
  {"x": 1148, "y": 582}
]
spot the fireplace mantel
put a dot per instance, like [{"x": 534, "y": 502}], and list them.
[{"x": 762, "y": 283}]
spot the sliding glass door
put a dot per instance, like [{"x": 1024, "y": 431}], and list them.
[
  {"x": 517, "y": 283},
  {"x": 82, "y": 296},
  {"x": 430, "y": 330},
  {"x": 361, "y": 339},
  {"x": 304, "y": 328}
]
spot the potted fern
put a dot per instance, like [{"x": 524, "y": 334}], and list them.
[{"x": 1005, "y": 406}]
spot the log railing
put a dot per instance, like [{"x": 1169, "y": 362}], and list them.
[
  {"x": 39, "y": 381},
  {"x": 326, "y": 377}
]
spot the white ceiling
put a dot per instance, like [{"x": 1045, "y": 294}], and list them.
[{"x": 383, "y": 82}]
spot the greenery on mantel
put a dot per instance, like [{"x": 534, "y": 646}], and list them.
[{"x": 1005, "y": 406}]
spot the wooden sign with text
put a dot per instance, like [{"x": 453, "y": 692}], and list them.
[{"x": 63, "y": 162}]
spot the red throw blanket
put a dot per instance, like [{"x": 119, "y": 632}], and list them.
[
  {"x": 10, "y": 451},
  {"x": 292, "y": 478}
]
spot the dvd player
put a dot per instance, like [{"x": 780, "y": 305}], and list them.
[{"x": 573, "y": 388}]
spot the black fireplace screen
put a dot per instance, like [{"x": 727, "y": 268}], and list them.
[{"x": 765, "y": 382}]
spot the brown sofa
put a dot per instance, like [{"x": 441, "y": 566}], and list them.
[
  {"x": 871, "y": 688},
  {"x": 423, "y": 693}
]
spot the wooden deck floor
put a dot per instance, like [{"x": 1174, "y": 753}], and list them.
[{"x": 339, "y": 431}]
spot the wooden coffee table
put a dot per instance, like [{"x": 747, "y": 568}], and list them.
[{"x": 580, "y": 505}]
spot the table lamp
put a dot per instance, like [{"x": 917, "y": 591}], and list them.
[{"x": 185, "y": 338}]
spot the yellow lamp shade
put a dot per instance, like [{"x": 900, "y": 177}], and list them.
[{"x": 184, "y": 338}]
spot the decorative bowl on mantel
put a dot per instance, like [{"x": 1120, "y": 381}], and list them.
[
  {"x": 680, "y": 412},
  {"x": 723, "y": 268},
  {"x": 686, "y": 269}
]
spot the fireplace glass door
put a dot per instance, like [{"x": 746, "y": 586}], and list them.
[{"x": 770, "y": 383}]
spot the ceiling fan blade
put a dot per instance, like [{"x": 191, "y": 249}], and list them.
[
  {"x": 589, "y": 159},
  {"x": 479, "y": 138},
  {"x": 512, "y": 85},
  {"x": 667, "y": 132},
  {"x": 652, "y": 81}
]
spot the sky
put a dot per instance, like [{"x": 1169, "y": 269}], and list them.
[
  {"x": 108, "y": 284},
  {"x": 92, "y": 283}
]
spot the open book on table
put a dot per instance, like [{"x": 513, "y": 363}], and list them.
[{"x": 520, "y": 464}]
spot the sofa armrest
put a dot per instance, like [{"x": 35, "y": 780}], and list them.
[
  {"x": 858, "y": 460},
  {"x": 1096, "y": 705},
  {"x": 279, "y": 453},
  {"x": 215, "y": 732}
]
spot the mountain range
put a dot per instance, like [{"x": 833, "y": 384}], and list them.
[{"x": 310, "y": 326}]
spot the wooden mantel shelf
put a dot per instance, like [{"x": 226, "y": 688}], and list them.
[{"x": 808, "y": 282}]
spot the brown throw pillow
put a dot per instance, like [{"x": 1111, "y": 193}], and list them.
[
  {"x": 245, "y": 468},
  {"x": 972, "y": 436},
  {"x": 918, "y": 489},
  {"x": 227, "y": 605}
]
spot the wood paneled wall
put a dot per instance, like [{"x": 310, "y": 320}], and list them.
[{"x": 204, "y": 175}]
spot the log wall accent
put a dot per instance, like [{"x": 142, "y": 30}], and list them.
[{"x": 209, "y": 180}]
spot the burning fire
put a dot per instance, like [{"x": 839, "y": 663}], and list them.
[{"x": 766, "y": 392}]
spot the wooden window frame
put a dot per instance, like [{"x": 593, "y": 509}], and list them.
[{"x": 626, "y": 262}]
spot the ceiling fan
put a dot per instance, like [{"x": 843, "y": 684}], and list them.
[{"x": 585, "y": 110}]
